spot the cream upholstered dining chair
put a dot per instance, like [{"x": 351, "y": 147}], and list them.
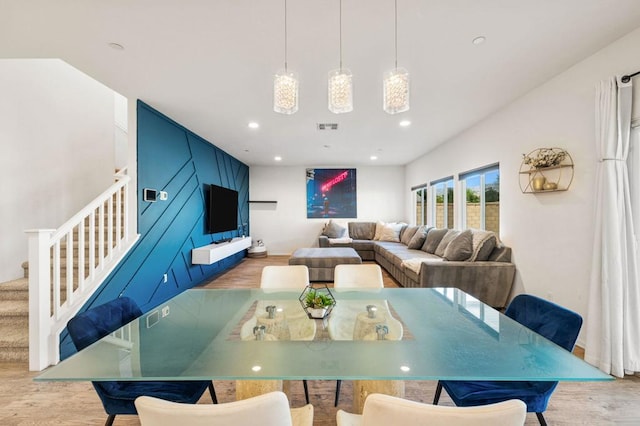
[
  {"x": 367, "y": 275},
  {"x": 270, "y": 409},
  {"x": 383, "y": 410},
  {"x": 274, "y": 277},
  {"x": 284, "y": 276},
  {"x": 364, "y": 276}
]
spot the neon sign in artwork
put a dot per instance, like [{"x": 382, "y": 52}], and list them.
[
  {"x": 327, "y": 186},
  {"x": 331, "y": 193}
]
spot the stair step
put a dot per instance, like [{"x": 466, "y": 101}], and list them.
[
  {"x": 14, "y": 321},
  {"x": 14, "y": 354},
  {"x": 14, "y": 342},
  {"x": 15, "y": 290},
  {"x": 13, "y": 309}
]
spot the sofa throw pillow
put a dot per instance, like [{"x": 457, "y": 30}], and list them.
[
  {"x": 460, "y": 248},
  {"x": 418, "y": 238},
  {"x": 379, "y": 227},
  {"x": 391, "y": 232},
  {"x": 333, "y": 230},
  {"x": 448, "y": 237},
  {"x": 483, "y": 244},
  {"x": 434, "y": 236},
  {"x": 500, "y": 253},
  {"x": 407, "y": 233}
]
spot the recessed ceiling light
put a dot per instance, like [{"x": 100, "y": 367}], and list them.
[
  {"x": 373, "y": 158},
  {"x": 116, "y": 46},
  {"x": 277, "y": 158},
  {"x": 479, "y": 40},
  {"x": 405, "y": 123},
  {"x": 253, "y": 125}
]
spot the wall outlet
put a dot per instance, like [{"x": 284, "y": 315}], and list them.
[
  {"x": 153, "y": 318},
  {"x": 165, "y": 311},
  {"x": 165, "y": 278}
]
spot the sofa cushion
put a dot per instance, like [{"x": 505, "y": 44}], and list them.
[
  {"x": 434, "y": 236},
  {"x": 460, "y": 248},
  {"x": 418, "y": 238},
  {"x": 333, "y": 230},
  {"x": 362, "y": 245},
  {"x": 362, "y": 230},
  {"x": 448, "y": 237},
  {"x": 379, "y": 227},
  {"x": 391, "y": 232},
  {"x": 414, "y": 264},
  {"x": 407, "y": 233},
  {"x": 483, "y": 244}
]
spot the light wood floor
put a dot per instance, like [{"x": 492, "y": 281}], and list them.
[{"x": 25, "y": 402}]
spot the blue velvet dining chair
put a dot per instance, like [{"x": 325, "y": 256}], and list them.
[
  {"x": 118, "y": 397},
  {"x": 554, "y": 322}
]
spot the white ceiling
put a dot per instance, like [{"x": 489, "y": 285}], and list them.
[{"x": 209, "y": 64}]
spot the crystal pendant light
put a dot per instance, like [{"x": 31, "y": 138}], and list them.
[
  {"x": 395, "y": 87},
  {"x": 285, "y": 82},
  {"x": 340, "y": 85}
]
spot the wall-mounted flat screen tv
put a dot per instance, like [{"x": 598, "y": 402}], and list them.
[{"x": 222, "y": 209}]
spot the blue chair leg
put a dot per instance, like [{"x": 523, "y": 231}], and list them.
[
  {"x": 338, "y": 383},
  {"x": 436, "y": 397},
  {"x": 212, "y": 392},
  {"x": 110, "y": 420}
]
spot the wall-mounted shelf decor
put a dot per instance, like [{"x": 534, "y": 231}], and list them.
[
  {"x": 212, "y": 253},
  {"x": 546, "y": 170},
  {"x": 262, "y": 202}
]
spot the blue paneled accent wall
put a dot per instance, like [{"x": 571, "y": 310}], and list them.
[{"x": 171, "y": 158}]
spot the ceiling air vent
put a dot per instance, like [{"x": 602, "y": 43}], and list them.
[{"x": 327, "y": 126}]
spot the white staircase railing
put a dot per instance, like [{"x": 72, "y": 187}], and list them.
[{"x": 66, "y": 265}]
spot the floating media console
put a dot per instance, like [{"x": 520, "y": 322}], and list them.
[{"x": 212, "y": 253}]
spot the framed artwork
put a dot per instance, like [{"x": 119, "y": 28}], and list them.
[{"x": 331, "y": 193}]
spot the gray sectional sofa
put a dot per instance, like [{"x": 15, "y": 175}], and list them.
[{"x": 474, "y": 261}]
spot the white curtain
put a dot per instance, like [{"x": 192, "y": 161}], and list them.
[{"x": 613, "y": 319}]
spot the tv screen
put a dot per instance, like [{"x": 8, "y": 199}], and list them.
[{"x": 223, "y": 209}]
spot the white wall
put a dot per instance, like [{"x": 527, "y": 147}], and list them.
[
  {"x": 56, "y": 149},
  {"x": 284, "y": 227},
  {"x": 551, "y": 234}
]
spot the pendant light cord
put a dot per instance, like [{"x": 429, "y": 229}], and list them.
[
  {"x": 396, "y": 31},
  {"x": 285, "y": 36},
  {"x": 340, "y": 35}
]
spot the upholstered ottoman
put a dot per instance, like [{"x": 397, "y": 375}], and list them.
[{"x": 322, "y": 261}]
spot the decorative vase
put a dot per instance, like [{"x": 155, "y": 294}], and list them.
[
  {"x": 538, "y": 183},
  {"x": 318, "y": 313},
  {"x": 548, "y": 186}
]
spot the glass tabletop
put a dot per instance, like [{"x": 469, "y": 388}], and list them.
[{"x": 414, "y": 334}]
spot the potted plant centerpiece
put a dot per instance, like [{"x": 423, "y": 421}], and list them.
[{"x": 317, "y": 302}]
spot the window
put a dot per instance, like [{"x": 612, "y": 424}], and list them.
[
  {"x": 420, "y": 204},
  {"x": 482, "y": 198},
  {"x": 442, "y": 210}
]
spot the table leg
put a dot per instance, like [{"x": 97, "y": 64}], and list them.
[{"x": 362, "y": 388}]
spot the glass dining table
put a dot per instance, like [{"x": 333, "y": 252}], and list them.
[{"x": 385, "y": 334}]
